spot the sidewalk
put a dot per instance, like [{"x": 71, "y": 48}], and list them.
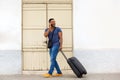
[{"x": 69, "y": 76}]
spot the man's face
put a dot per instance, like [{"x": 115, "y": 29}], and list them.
[{"x": 52, "y": 22}]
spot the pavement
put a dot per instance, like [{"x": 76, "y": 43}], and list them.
[{"x": 66, "y": 76}]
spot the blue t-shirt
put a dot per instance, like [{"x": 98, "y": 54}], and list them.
[{"x": 55, "y": 39}]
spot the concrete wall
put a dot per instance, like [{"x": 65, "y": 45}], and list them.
[
  {"x": 10, "y": 36},
  {"x": 96, "y": 34}
]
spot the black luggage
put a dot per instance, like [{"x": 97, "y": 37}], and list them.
[{"x": 76, "y": 66}]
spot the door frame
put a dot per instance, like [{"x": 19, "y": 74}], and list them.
[{"x": 22, "y": 59}]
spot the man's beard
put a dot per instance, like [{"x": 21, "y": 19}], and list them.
[{"x": 53, "y": 25}]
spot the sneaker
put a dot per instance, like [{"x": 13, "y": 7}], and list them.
[
  {"x": 57, "y": 75},
  {"x": 47, "y": 75}
]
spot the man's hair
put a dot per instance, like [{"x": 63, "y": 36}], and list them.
[{"x": 51, "y": 19}]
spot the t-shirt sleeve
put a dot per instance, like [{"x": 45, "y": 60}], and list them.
[{"x": 59, "y": 29}]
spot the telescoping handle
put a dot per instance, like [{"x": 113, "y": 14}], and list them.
[{"x": 63, "y": 54}]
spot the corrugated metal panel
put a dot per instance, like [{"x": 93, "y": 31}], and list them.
[
  {"x": 34, "y": 48},
  {"x": 35, "y": 61},
  {"x": 62, "y": 14},
  {"x": 33, "y": 39}
]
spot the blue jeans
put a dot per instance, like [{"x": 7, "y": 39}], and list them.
[{"x": 53, "y": 54}]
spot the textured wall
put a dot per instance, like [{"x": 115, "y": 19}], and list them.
[
  {"x": 10, "y": 37},
  {"x": 96, "y": 34}
]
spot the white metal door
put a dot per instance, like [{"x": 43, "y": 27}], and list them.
[
  {"x": 35, "y": 19},
  {"x": 34, "y": 50}
]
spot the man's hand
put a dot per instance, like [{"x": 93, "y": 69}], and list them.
[
  {"x": 47, "y": 32},
  {"x": 60, "y": 48}
]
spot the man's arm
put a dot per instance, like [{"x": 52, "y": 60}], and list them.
[
  {"x": 46, "y": 32},
  {"x": 61, "y": 40}
]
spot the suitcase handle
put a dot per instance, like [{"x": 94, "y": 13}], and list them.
[{"x": 63, "y": 54}]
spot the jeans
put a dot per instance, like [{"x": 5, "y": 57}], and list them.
[{"x": 53, "y": 54}]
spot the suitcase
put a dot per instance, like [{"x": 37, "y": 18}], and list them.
[{"x": 76, "y": 66}]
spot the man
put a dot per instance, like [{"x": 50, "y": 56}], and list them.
[{"x": 57, "y": 45}]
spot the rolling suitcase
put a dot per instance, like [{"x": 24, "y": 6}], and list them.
[{"x": 76, "y": 66}]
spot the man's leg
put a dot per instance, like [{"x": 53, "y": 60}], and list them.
[
  {"x": 57, "y": 68},
  {"x": 53, "y": 55},
  {"x": 47, "y": 75}
]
